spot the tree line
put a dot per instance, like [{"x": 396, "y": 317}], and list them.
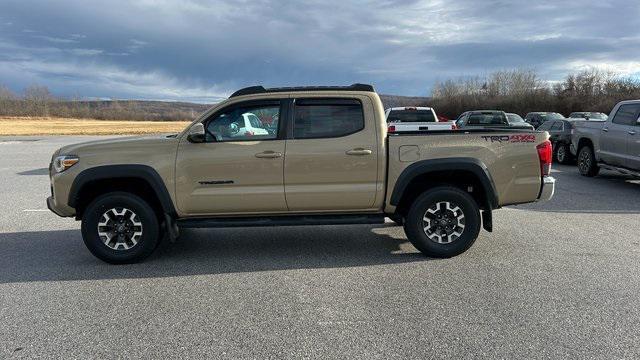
[
  {"x": 522, "y": 91},
  {"x": 518, "y": 91}
]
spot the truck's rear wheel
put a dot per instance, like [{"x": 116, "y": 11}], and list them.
[
  {"x": 443, "y": 222},
  {"x": 120, "y": 228},
  {"x": 563, "y": 155},
  {"x": 587, "y": 162}
]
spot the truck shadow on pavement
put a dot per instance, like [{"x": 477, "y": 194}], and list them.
[
  {"x": 40, "y": 171},
  {"x": 62, "y": 256}
]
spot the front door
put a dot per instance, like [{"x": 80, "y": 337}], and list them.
[
  {"x": 615, "y": 136},
  {"x": 331, "y": 160},
  {"x": 239, "y": 168},
  {"x": 633, "y": 145}
]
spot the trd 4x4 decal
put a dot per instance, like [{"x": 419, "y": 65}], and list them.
[{"x": 528, "y": 138}]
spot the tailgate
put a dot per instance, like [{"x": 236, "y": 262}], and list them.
[{"x": 411, "y": 127}]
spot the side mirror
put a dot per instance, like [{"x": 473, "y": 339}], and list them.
[{"x": 196, "y": 133}]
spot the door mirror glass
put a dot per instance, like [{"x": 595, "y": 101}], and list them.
[{"x": 196, "y": 133}]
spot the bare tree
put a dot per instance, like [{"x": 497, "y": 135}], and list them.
[{"x": 37, "y": 100}]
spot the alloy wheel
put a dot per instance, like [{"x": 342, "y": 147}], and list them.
[
  {"x": 120, "y": 228},
  {"x": 562, "y": 153},
  {"x": 584, "y": 162},
  {"x": 444, "y": 222}
]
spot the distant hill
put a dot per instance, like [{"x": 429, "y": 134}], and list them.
[{"x": 137, "y": 109}]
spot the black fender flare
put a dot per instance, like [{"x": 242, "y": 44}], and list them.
[
  {"x": 143, "y": 172},
  {"x": 473, "y": 165}
]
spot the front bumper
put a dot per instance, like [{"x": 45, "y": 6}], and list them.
[
  {"x": 60, "y": 184},
  {"x": 548, "y": 188},
  {"x": 51, "y": 207}
]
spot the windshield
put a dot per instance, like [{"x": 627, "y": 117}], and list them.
[
  {"x": 589, "y": 115},
  {"x": 553, "y": 116},
  {"x": 514, "y": 118},
  {"x": 401, "y": 116},
  {"x": 487, "y": 118},
  {"x": 598, "y": 116}
]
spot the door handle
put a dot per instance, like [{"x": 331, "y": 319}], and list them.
[
  {"x": 359, "y": 151},
  {"x": 605, "y": 129},
  {"x": 632, "y": 132},
  {"x": 269, "y": 155}
]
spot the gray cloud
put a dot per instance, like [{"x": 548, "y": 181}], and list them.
[{"x": 196, "y": 49}]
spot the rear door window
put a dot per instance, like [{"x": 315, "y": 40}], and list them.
[
  {"x": 327, "y": 118},
  {"x": 627, "y": 114}
]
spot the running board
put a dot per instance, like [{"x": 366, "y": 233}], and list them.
[
  {"x": 620, "y": 170},
  {"x": 286, "y": 220}
]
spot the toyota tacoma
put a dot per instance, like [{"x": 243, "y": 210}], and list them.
[{"x": 324, "y": 157}]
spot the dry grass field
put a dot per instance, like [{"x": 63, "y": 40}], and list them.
[{"x": 67, "y": 126}]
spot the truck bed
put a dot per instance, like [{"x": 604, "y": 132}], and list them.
[{"x": 509, "y": 155}]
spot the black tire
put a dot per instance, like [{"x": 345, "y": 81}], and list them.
[
  {"x": 398, "y": 220},
  {"x": 562, "y": 154},
  {"x": 587, "y": 164},
  {"x": 414, "y": 224},
  {"x": 144, "y": 215}
]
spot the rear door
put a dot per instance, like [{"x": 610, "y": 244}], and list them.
[
  {"x": 616, "y": 135},
  {"x": 331, "y": 161}
]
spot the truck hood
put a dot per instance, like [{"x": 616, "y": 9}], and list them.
[{"x": 88, "y": 146}]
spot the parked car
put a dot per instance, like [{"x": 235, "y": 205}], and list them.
[
  {"x": 331, "y": 162},
  {"x": 613, "y": 144},
  {"x": 537, "y": 118},
  {"x": 477, "y": 119},
  {"x": 517, "y": 122},
  {"x": 407, "y": 119},
  {"x": 560, "y": 132},
  {"x": 588, "y": 115}
]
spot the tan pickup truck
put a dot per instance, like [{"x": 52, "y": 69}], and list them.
[{"x": 296, "y": 156}]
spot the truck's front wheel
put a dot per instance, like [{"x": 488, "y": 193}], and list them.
[
  {"x": 120, "y": 228},
  {"x": 443, "y": 222}
]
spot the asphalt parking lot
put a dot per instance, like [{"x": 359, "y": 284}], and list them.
[{"x": 554, "y": 280}]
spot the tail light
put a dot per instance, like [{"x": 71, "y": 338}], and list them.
[
  {"x": 544, "y": 154},
  {"x": 391, "y": 128}
]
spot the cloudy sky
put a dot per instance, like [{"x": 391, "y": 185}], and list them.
[{"x": 202, "y": 50}]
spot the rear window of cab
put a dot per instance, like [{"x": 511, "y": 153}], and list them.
[{"x": 402, "y": 116}]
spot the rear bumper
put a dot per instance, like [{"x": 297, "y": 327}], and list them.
[{"x": 548, "y": 188}]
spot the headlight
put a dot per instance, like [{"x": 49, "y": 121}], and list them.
[{"x": 62, "y": 163}]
